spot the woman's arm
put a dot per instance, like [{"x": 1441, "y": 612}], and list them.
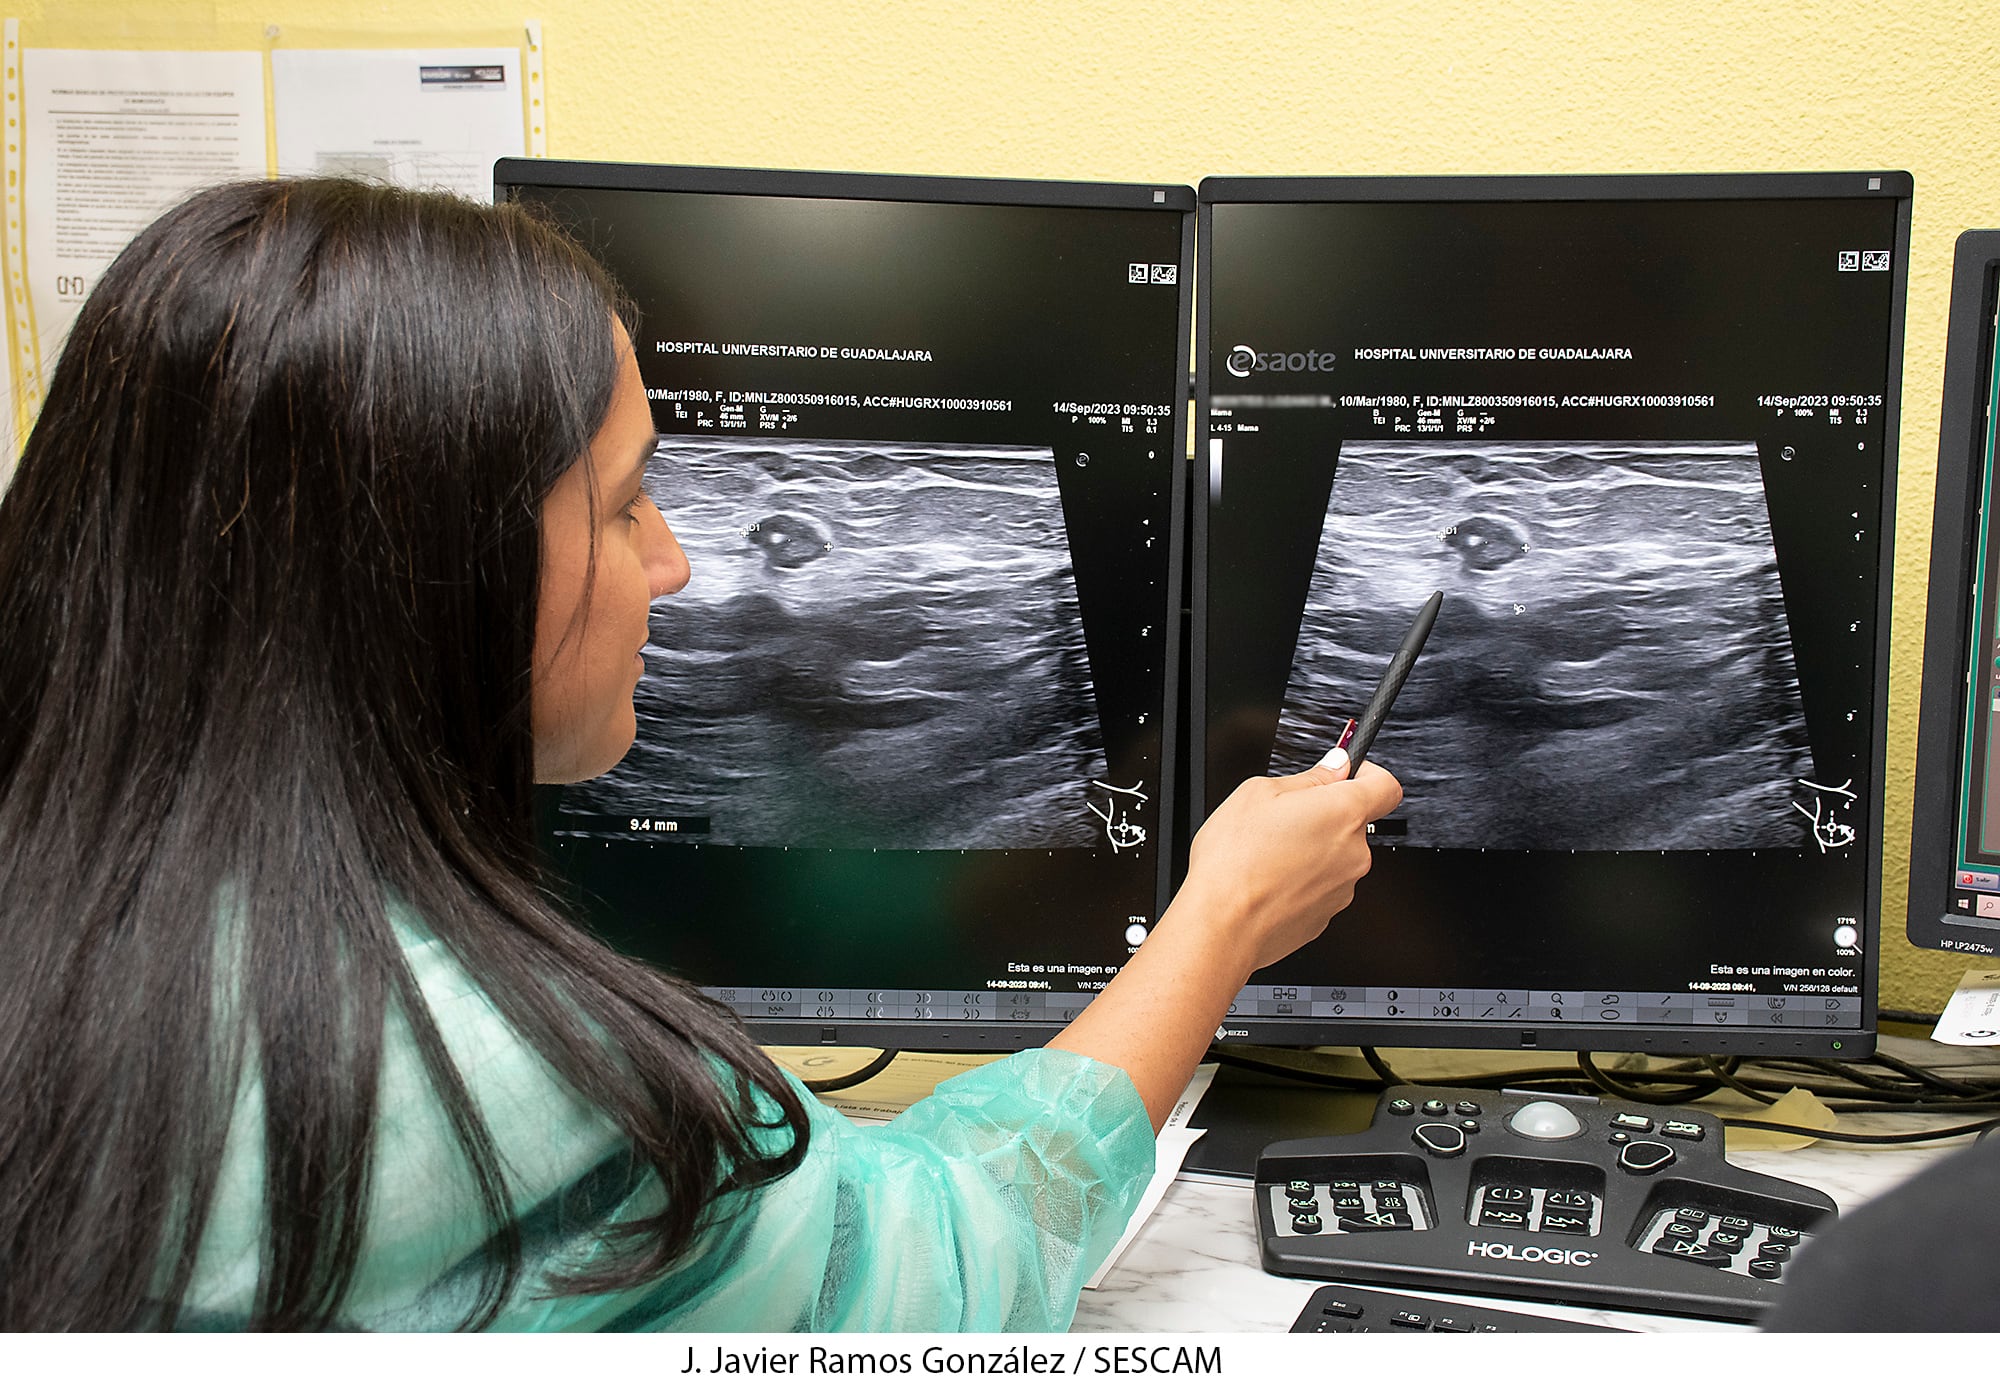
[{"x": 1267, "y": 870}]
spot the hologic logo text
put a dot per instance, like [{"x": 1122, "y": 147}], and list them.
[
  {"x": 1506, "y": 1252},
  {"x": 1244, "y": 360}
]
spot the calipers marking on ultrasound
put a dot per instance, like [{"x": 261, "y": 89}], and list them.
[
  {"x": 1828, "y": 830},
  {"x": 1122, "y": 832}
]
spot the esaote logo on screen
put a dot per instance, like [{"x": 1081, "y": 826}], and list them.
[{"x": 1244, "y": 360}]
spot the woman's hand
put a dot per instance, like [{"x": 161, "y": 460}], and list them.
[
  {"x": 1280, "y": 856},
  {"x": 1268, "y": 869}
]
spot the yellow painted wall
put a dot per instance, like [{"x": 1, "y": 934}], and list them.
[{"x": 1127, "y": 90}]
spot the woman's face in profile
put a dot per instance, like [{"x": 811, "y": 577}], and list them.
[{"x": 589, "y": 627}]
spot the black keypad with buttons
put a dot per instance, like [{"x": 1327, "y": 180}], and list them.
[
  {"x": 1542, "y": 1197},
  {"x": 1726, "y": 1242},
  {"x": 1350, "y": 1206},
  {"x": 1526, "y": 1206}
]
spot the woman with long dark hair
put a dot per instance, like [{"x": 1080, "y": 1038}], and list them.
[{"x": 329, "y": 544}]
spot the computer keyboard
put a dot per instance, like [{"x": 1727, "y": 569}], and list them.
[
  {"x": 1555, "y": 1199},
  {"x": 1343, "y": 1310}
]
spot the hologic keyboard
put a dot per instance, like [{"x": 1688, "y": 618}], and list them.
[
  {"x": 1343, "y": 1310},
  {"x": 1549, "y": 1199}
]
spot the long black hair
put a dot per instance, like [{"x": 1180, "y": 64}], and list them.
[{"x": 268, "y": 572}]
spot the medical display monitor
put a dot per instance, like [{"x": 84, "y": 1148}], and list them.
[
  {"x": 1640, "y": 432},
  {"x": 1955, "y": 832},
  {"x": 903, "y": 766}
]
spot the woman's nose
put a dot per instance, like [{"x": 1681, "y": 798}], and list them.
[{"x": 667, "y": 567}]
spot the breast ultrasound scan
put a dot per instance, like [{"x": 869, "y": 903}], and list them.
[
  {"x": 1640, "y": 433},
  {"x": 885, "y": 650},
  {"x": 903, "y": 754},
  {"x": 1602, "y": 593}
]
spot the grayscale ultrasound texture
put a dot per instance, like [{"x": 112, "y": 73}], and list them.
[
  {"x": 880, "y": 648},
  {"x": 1612, "y": 669}
]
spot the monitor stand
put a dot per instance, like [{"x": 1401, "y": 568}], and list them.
[{"x": 1245, "y": 1111}]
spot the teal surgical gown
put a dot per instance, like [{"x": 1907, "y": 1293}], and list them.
[{"x": 984, "y": 1207}]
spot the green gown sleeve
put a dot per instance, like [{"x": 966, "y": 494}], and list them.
[{"x": 984, "y": 1207}]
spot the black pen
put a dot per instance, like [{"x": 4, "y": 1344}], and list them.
[{"x": 1360, "y": 733}]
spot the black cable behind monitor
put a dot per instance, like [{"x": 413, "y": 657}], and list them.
[
  {"x": 1880, "y": 1083},
  {"x": 859, "y": 1076}
]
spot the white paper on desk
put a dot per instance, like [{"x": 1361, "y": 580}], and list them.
[
  {"x": 112, "y": 139},
  {"x": 424, "y": 118},
  {"x": 1171, "y": 1147},
  {"x": 1972, "y": 1016}
]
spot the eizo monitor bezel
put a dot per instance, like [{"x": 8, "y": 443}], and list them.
[
  {"x": 953, "y": 1024},
  {"x": 1959, "y": 544},
  {"x": 1249, "y": 1025}
]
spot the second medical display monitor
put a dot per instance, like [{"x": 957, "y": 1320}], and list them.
[{"x": 1640, "y": 431}]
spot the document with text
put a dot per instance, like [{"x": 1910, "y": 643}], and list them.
[
  {"x": 434, "y": 119},
  {"x": 111, "y": 140}
]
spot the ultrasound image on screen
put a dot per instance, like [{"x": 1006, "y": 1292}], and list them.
[
  {"x": 1611, "y": 670},
  {"x": 880, "y": 648}
]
